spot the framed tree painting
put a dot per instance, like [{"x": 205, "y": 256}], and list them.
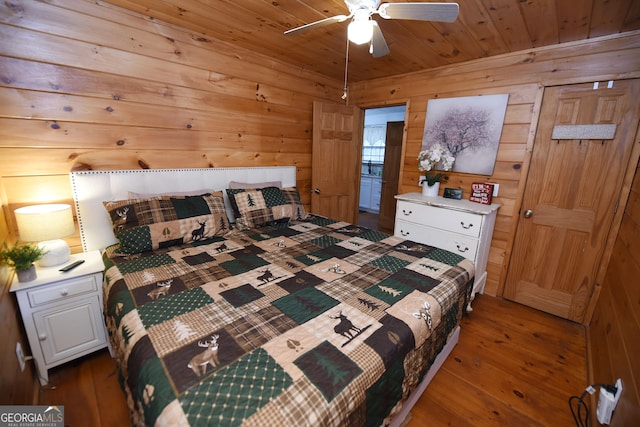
[{"x": 469, "y": 127}]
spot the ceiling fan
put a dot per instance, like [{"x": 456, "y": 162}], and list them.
[{"x": 362, "y": 29}]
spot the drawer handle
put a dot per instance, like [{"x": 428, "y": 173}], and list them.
[
  {"x": 466, "y": 248},
  {"x": 64, "y": 292},
  {"x": 466, "y": 227},
  {"x": 406, "y": 213},
  {"x": 404, "y": 234}
]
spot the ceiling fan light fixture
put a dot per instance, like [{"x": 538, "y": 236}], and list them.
[{"x": 360, "y": 31}]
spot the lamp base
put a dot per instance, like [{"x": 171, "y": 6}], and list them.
[{"x": 56, "y": 252}]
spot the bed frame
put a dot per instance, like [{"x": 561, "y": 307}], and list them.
[{"x": 91, "y": 188}]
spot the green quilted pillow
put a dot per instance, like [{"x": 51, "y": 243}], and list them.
[
  {"x": 262, "y": 206},
  {"x": 146, "y": 224}
]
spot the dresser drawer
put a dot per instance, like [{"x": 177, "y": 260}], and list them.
[
  {"x": 460, "y": 222},
  {"x": 63, "y": 290},
  {"x": 458, "y": 244}
]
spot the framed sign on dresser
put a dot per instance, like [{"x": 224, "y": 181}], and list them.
[{"x": 459, "y": 226}]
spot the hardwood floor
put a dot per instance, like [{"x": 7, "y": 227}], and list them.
[
  {"x": 513, "y": 366},
  {"x": 89, "y": 390},
  {"x": 370, "y": 220}
]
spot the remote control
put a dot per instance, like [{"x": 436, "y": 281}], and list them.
[{"x": 72, "y": 265}]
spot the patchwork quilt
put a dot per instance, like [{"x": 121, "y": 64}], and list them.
[{"x": 314, "y": 322}]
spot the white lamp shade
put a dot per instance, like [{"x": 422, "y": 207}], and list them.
[
  {"x": 47, "y": 224},
  {"x": 360, "y": 31},
  {"x": 44, "y": 222}
]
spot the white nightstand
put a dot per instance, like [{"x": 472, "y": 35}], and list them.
[{"x": 62, "y": 312}]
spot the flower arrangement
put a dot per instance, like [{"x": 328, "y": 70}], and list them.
[{"x": 430, "y": 158}]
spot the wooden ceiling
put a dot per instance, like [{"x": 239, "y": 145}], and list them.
[{"x": 483, "y": 28}]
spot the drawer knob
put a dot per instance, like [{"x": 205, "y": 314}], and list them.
[
  {"x": 466, "y": 248},
  {"x": 407, "y": 213},
  {"x": 466, "y": 227},
  {"x": 42, "y": 337},
  {"x": 64, "y": 292},
  {"x": 404, "y": 233}
]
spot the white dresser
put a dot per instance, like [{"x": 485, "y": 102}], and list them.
[{"x": 459, "y": 226}]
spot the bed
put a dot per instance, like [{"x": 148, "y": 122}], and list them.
[{"x": 258, "y": 312}]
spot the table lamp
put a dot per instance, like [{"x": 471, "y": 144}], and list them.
[{"x": 47, "y": 224}]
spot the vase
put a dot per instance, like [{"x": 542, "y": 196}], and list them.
[
  {"x": 27, "y": 275},
  {"x": 430, "y": 190}
]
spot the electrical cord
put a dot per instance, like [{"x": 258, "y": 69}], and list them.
[
  {"x": 582, "y": 420},
  {"x": 577, "y": 411}
]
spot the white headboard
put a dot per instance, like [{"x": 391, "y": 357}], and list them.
[{"x": 91, "y": 188}]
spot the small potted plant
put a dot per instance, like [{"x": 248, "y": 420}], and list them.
[{"x": 21, "y": 259}]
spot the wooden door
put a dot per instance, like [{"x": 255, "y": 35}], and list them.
[
  {"x": 337, "y": 151},
  {"x": 390, "y": 174},
  {"x": 570, "y": 198}
]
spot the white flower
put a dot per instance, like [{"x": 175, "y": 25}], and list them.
[{"x": 432, "y": 157}]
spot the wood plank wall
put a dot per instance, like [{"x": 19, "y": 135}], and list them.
[
  {"x": 523, "y": 76},
  {"x": 614, "y": 333},
  {"x": 91, "y": 86},
  {"x": 87, "y": 85}
]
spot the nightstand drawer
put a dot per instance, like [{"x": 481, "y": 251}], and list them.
[
  {"x": 465, "y": 223},
  {"x": 458, "y": 244},
  {"x": 63, "y": 290}
]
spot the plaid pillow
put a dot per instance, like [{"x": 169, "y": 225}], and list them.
[
  {"x": 146, "y": 224},
  {"x": 262, "y": 206}
]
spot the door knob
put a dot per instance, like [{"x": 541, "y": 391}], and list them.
[
  {"x": 316, "y": 190},
  {"x": 528, "y": 213}
]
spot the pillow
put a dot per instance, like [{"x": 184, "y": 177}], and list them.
[
  {"x": 235, "y": 185},
  {"x": 146, "y": 224},
  {"x": 249, "y": 185},
  {"x": 134, "y": 195},
  {"x": 262, "y": 206}
]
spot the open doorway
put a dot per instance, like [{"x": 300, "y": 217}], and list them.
[{"x": 380, "y": 168}]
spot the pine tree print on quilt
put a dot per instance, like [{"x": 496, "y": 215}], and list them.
[
  {"x": 305, "y": 304},
  {"x": 328, "y": 369},
  {"x": 389, "y": 290}
]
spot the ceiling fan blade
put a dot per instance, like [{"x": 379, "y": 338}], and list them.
[
  {"x": 442, "y": 12},
  {"x": 378, "y": 45},
  {"x": 320, "y": 23}
]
